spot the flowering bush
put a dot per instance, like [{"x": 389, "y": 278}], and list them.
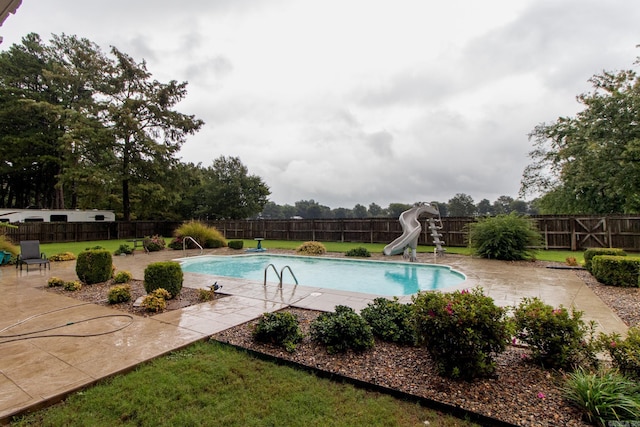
[
  {"x": 154, "y": 243},
  {"x": 625, "y": 354},
  {"x": 72, "y": 285},
  {"x": 55, "y": 281},
  {"x": 558, "y": 338},
  {"x": 461, "y": 331},
  {"x": 62, "y": 256}
]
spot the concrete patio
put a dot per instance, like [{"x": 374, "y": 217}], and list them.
[{"x": 39, "y": 367}]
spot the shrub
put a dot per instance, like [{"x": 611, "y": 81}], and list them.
[
  {"x": 311, "y": 248},
  {"x": 571, "y": 261},
  {"x": 235, "y": 244},
  {"x": 603, "y": 396},
  {"x": 280, "y": 328},
  {"x": 7, "y": 246},
  {"x": 390, "y": 320},
  {"x": 166, "y": 275},
  {"x": 358, "y": 252},
  {"x": 506, "y": 237},
  {"x": 207, "y": 237},
  {"x": 342, "y": 330},
  {"x": 206, "y": 294},
  {"x": 156, "y": 301},
  {"x": 154, "y": 243},
  {"x": 558, "y": 339},
  {"x": 122, "y": 277},
  {"x": 94, "y": 266},
  {"x": 55, "y": 281},
  {"x": 590, "y": 253},
  {"x": 73, "y": 285},
  {"x": 63, "y": 256},
  {"x": 175, "y": 244},
  {"x": 119, "y": 293},
  {"x": 616, "y": 270},
  {"x": 461, "y": 331},
  {"x": 625, "y": 354},
  {"x": 124, "y": 249}
]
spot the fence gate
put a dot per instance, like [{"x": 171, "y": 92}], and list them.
[{"x": 589, "y": 233}]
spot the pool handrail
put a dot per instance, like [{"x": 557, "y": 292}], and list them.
[
  {"x": 278, "y": 275},
  {"x": 184, "y": 244},
  {"x": 290, "y": 271}
]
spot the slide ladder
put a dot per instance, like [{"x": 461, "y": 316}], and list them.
[{"x": 435, "y": 225}]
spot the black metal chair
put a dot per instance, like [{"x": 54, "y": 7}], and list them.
[{"x": 30, "y": 254}]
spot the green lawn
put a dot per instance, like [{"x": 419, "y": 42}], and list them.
[
  {"x": 112, "y": 245},
  {"x": 211, "y": 384}
]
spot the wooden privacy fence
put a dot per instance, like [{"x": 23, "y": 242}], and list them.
[{"x": 575, "y": 232}]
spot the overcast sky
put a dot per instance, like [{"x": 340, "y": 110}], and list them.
[{"x": 360, "y": 101}]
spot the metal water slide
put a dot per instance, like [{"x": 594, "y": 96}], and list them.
[{"x": 411, "y": 230}]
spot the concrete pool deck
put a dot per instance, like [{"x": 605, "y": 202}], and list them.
[{"x": 43, "y": 369}]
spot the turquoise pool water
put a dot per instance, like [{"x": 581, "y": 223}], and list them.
[{"x": 373, "y": 277}]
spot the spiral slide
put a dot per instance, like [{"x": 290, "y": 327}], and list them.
[{"x": 411, "y": 229}]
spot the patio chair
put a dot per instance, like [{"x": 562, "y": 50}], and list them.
[{"x": 30, "y": 254}]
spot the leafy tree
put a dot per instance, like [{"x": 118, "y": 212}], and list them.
[
  {"x": 507, "y": 237},
  {"x": 395, "y": 209},
  {"x": 484, "y": 208},
  {"x": 590, "y": 163},
  {"x": 231, "y": 192},
  {"x": 461, "y": 205},
  {"x": 312, "y": 209},
  {"x": 375, "y": 210},
  {"x": 272, "y": 211},
  {"x": 359, "y": 211},
  {"x": 342, "y": 213}
]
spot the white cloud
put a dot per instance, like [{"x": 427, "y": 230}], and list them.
[{"x": 355, "y": 101}]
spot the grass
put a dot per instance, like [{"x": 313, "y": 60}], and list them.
[
  {"x": 213, "y": 384},
  {"x": 112, "y": 245}
]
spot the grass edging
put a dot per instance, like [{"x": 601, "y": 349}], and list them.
[{"x": 456, "y": 411}]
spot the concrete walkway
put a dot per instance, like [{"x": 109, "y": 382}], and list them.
[{"x": 38, "y": 368}]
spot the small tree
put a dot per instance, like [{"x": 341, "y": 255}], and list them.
[{"x": 506, "y": 237}]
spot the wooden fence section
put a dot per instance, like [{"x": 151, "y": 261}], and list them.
[{"x": 559, "y": 232}]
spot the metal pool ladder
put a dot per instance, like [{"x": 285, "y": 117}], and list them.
[
  {"x": 273, "y": 267},
  {"x": 184, "y": 244}
]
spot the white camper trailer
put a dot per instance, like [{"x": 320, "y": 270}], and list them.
[{"x": 55, "y": 215}]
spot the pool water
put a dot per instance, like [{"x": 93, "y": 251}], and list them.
[{"x": 373, "y": 277}]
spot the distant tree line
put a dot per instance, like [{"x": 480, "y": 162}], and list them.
[{"x": 459, "y": 205}]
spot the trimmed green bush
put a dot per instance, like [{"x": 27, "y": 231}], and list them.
[
  {"x": 166, "y": 275},
  {"x": 123, "y": 249},
  {"x": 281, "y": 328},
  {"x": 94, "y": 266},
  {"x": 616, "y": 270},
  {"x": 122, "y": 277},
  {"x": 557, "y": 338},
  {"x": 207, "y": 237},
  {"x": 390, "y": 320},
  {"x": 604, "y": 396},
  {"x": 590, "y": 253},
  {"x": 625, "y": 353},
  {"x": 342, "y": 330},
  {"x": 462, "y": 331},
  {"x": 311, "y": 248},
  {"x": 358, "y": 252},
  {"x": 119, "y": 293},
  {"x": 507, "y": 237},
  {"x": 235, "y": 244}
]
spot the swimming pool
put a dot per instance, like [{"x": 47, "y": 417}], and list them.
[{"x": 373, "y": 277}]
